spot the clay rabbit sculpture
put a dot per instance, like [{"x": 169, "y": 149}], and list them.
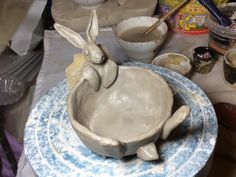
[
  {"x": 98, "y": 68},
  {"x": 126, "y": 111}
]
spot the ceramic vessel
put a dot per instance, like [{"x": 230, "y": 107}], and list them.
[
  {"x": 54, "y": 149},
  {"x": 90, "y": 4},
  {"x": 108, "y": 98},
  {"x": 230, "y": 67},
  {"x": 99, "y": 116},
  {"x": 204, "y": 59},
  {"x": 175, "y": 62},
  {"x": 141, "y": 51}
]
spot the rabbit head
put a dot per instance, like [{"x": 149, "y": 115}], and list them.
[{"x": 90, "y": 49}]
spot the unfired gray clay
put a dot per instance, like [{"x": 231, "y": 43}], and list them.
[
  {"x": 118, "y": 111},
  {"x": 94, "y": 3},
  {"x": 89, "y": 4}
]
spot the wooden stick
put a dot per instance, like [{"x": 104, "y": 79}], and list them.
[{"x": 171, "y": 12}]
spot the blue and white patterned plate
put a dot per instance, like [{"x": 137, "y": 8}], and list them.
[{"x": 53, "y": 148}]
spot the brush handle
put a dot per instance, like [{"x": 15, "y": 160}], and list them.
[
  {"x": 224, "y": 21},
  {"x": 170, "y": 13}
]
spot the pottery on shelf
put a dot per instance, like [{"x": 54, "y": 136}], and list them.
[
  {"x": 143, "y": 49},
  {"x": 111, "y": 12},
  {"x": 90, "y": 4},
  {"x": 116, "y": 110}
]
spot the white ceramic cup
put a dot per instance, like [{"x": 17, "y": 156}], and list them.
[
  {"x": 140, "y": 51},
  {"x": 182, "y": 66}
]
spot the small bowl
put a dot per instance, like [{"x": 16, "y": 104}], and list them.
[
  {"x": 175, "y": 62},
  {"x": 99, "y": 116},
  {"x": 89, "y": 4},
  {"x": 137, "y": 50}
]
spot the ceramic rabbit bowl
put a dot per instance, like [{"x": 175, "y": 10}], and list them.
[
  {"x": 125, "y": 119},
  {"x": 115, "y": 110}
]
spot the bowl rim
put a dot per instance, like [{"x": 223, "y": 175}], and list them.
[
  {"x": 157, "y": 59},
  {"x": 163, "y": 25},
  {"x": 226, "y": 60}
]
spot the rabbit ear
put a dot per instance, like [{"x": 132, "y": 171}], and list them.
[
  {"x": 92, "y": 29},
  {"x": 73, "y": 37}
]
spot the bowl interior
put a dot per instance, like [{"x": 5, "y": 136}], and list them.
[
  {"x": 138, "y": 102},
  {"x": 174, "y": 61},
  {"x": 130, "y": 30}
]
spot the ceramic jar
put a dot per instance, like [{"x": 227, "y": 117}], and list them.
[
  {"x": 230, "y": 66},
  {"x": 204, "y": 59},
  {"x": 90, "y": 4}
]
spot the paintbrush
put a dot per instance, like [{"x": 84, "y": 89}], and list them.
[{"x": 162, "y": 19}]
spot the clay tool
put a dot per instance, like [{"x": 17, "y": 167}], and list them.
[{"x": 162, "y": 19}]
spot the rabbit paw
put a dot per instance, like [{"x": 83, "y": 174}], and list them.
[{"x": 91, "y": 75}]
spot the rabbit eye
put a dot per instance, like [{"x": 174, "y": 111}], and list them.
[{"x": 86, "y": 52}]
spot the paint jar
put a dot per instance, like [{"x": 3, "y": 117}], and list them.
[
  {"x": 190, "y": 19},
  {"x": 221, "y": 38},
  {"x": 204, "y": 59}
]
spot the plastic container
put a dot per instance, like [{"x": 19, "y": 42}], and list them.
[
  {"x": 221, "y": 38},
  {"x": 189, "y": 19}
]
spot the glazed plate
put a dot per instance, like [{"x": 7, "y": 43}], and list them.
[{"x": 53, "y": 148}]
